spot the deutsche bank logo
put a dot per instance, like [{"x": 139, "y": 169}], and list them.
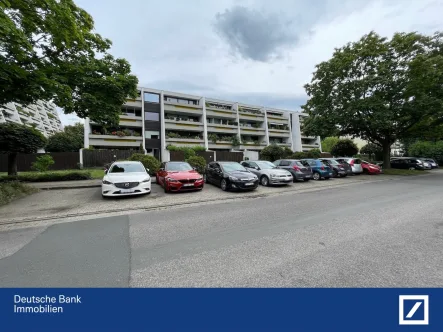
[{"x": 414, "y": 309}]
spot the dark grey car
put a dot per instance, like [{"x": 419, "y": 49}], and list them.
[{"x": 299, "y": 171}]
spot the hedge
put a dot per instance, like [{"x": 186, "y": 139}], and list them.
[
  {"x": 48, "y": 176},
  {"x": 148, "y": 161}
]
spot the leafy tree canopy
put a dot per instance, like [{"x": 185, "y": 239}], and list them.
[
  {"x": 344, "y": 148},
  {"x": 71, "y": 139},
  {"x": 48, "y": 51},
  {"x": 373, "y": 150},
  {"x": 328, "y": 143},
  {"x": 378, "y": 89},
  {"x": 274, "y": 152}
]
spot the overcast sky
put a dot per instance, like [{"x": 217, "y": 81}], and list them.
[{"x": 253, "y": 51}]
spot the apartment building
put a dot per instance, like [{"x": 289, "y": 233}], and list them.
[
  {"x": 42, "y": 115},
  {"x": 156, "y": 119}
]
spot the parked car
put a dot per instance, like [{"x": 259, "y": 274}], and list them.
[
  {"x": 320, "y": 170},
  {"x": 179, "y": 176},
  {"x": 410, "y": 163},
  {"x": 369, "y": 168},
  {"x": 432, "y": 162},
  {"x": 299, "y": 171},
  {"x": 355, "y": 164},
  {"x": 230, "y": 175},
  {"x": 337, "y": 168},
  {"x": 267, "y": 172},
  {"x": 125, "y": 178}
]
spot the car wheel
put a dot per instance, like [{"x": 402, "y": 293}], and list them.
[
  {"x": 224, "y": 185},
  {"x": 264, "y": 181},
  {"x": 316, "y": 176},
  {"x": 412, "y": 168}
]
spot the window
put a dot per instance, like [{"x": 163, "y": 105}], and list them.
[
  {"x": 253, "y": 165},
  {"x": 246, "y": 164},
  {"x": 127, "y": 168},
  {"x": 312, "y": 163},
  {"x": 151, "y": 97},
  {"x": 150, "y": 116},
  {"x": 152, "y": 134},
  {"x": 178, "y": 167},
  {"x": 277, "y": 163},
  {"x": 285, "y": 163}
]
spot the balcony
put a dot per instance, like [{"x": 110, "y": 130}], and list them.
[
  {"x": 183, "y": 125},
  {"x": 252, "y": 131},
  {"x": 113, "y": 140},
  {"x": 177, "y": 108},
  {"x": 279, "y": 120},
  {"x": 251, "y": 116},
  {"x": 222, "y": 128},
  {"x": 278, "y": 133},
  {"x": 310, "y": 146},
  {"x": 131, "y": 121},
  {"x": 285, "y": 144},
  {"x": 220, "y": 145},
  {"x": 217, "y": 112},
  {"x": 253, "y": 145}
]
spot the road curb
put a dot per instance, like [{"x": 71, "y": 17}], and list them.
[{"x": 62, "y": 187}]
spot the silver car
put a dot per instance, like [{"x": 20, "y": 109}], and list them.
[
  {"x": 267, "y": 172},
  {"x": 354, "y": 162}
]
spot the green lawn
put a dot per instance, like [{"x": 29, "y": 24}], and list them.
[
  {"x": 13, "y": 190},
  {"x": 393, "y": 171},
  {"x": 96, "y": 173}
]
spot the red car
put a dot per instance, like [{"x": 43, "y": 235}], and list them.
[
  {"x": 369, "y": 168},
  {"x": 178, "y": 176}
]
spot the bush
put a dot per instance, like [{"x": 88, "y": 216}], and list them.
[
  {"x": 273, "y": 152},
  {"x": 42, "y": 163},
  {"x": 198, "y": 162},
  {"x": 299, "y": 155},
  {"x": 148, "y": 161},
  {"x": 189, "y": 151},
  {"x": 13, "y": 190},
  {"x": 428, "y": 150},
  {"x": 328, "y": 143},
  {"x": 49, "y": 176},
  {"x": 344, "y": 148},
  {"x": 314, "y": 153},
  {"x": 374, "y": 151}
]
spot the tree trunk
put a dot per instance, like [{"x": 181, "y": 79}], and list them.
[
  {"x": 386, "y": 155},
  {"x": 12, "y": 163}
]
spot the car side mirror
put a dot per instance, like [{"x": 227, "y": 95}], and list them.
[
  {"x": 257, "y": 168},
  {"x": 147, "y": 170},
  {"x": 106, "y": 170},
  {"x": 162, "y": 169},
  {"x": 194, "y": 168}
]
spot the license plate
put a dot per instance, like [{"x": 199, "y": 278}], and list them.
[
  {"x": 126, "y": 191},
  {"x": 188, "y": 185},
  {"x": 330, "y": 173},
  {"x": 249, "y": 184},
  {"x": 307, "y": 176}
]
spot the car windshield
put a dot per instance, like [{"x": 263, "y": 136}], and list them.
[
  {"x": 230, "y": 167},
  {"x": 332, "y": 161},
  {"x": 127, "y": 168},
  {"x": 265, "y": 165},
  {"x": 178, "y": 167}
]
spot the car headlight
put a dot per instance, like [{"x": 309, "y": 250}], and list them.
[
  {"x": 200, "y": 178},
  {"x": 273, "y": 175},
  {"x": 106, "y": 182},
  {"x": 233, "y": 178},
  {"x": 146, "y": 180},
  {"x": 171, "y": 180}
]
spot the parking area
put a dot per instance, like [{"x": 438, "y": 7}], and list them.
[{"x": 50, "y": 204}]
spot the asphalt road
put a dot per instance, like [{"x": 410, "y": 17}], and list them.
[{"x": 381, "y": 234}]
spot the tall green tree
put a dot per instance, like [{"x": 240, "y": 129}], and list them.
[
  {"x": 328, "y": 143},
  {"x": 49, "y": 51},
  {"x": 378, "y": 89},
  {"x": 17, "y": 138},
  {"x": 71, "y": 139}
]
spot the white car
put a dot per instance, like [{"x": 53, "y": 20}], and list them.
[{"x": 125, "y": 178}]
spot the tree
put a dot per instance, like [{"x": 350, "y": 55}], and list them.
[
  {"x": 328, "y": 143},
  {"x": 373, "y": 151},
  {"x": 345, "y": 148},
  {"x": 17, "y": 138},
  {"x": 378, "y": 89},
  {"x": 50, "y": 52},
  {"x": 71, "y": 139}
]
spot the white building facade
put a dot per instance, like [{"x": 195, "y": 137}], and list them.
[
  {"x": 157, "y": 118},
  {"x": 42, "y": 115}
]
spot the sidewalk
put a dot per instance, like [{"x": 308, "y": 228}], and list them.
[{"x": 70, "y": 184}]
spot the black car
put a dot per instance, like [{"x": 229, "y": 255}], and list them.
[
  {"x": 337, "y": 168},
  {"x": 299, "y": 171},
  {"x": 407, "y": 163},
  {"x": 230, "y": 175}
]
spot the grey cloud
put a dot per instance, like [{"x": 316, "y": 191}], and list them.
[{"x": 253, "y": 34}]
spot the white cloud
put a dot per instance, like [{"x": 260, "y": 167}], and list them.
[{"x": 174, "y": 45}]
